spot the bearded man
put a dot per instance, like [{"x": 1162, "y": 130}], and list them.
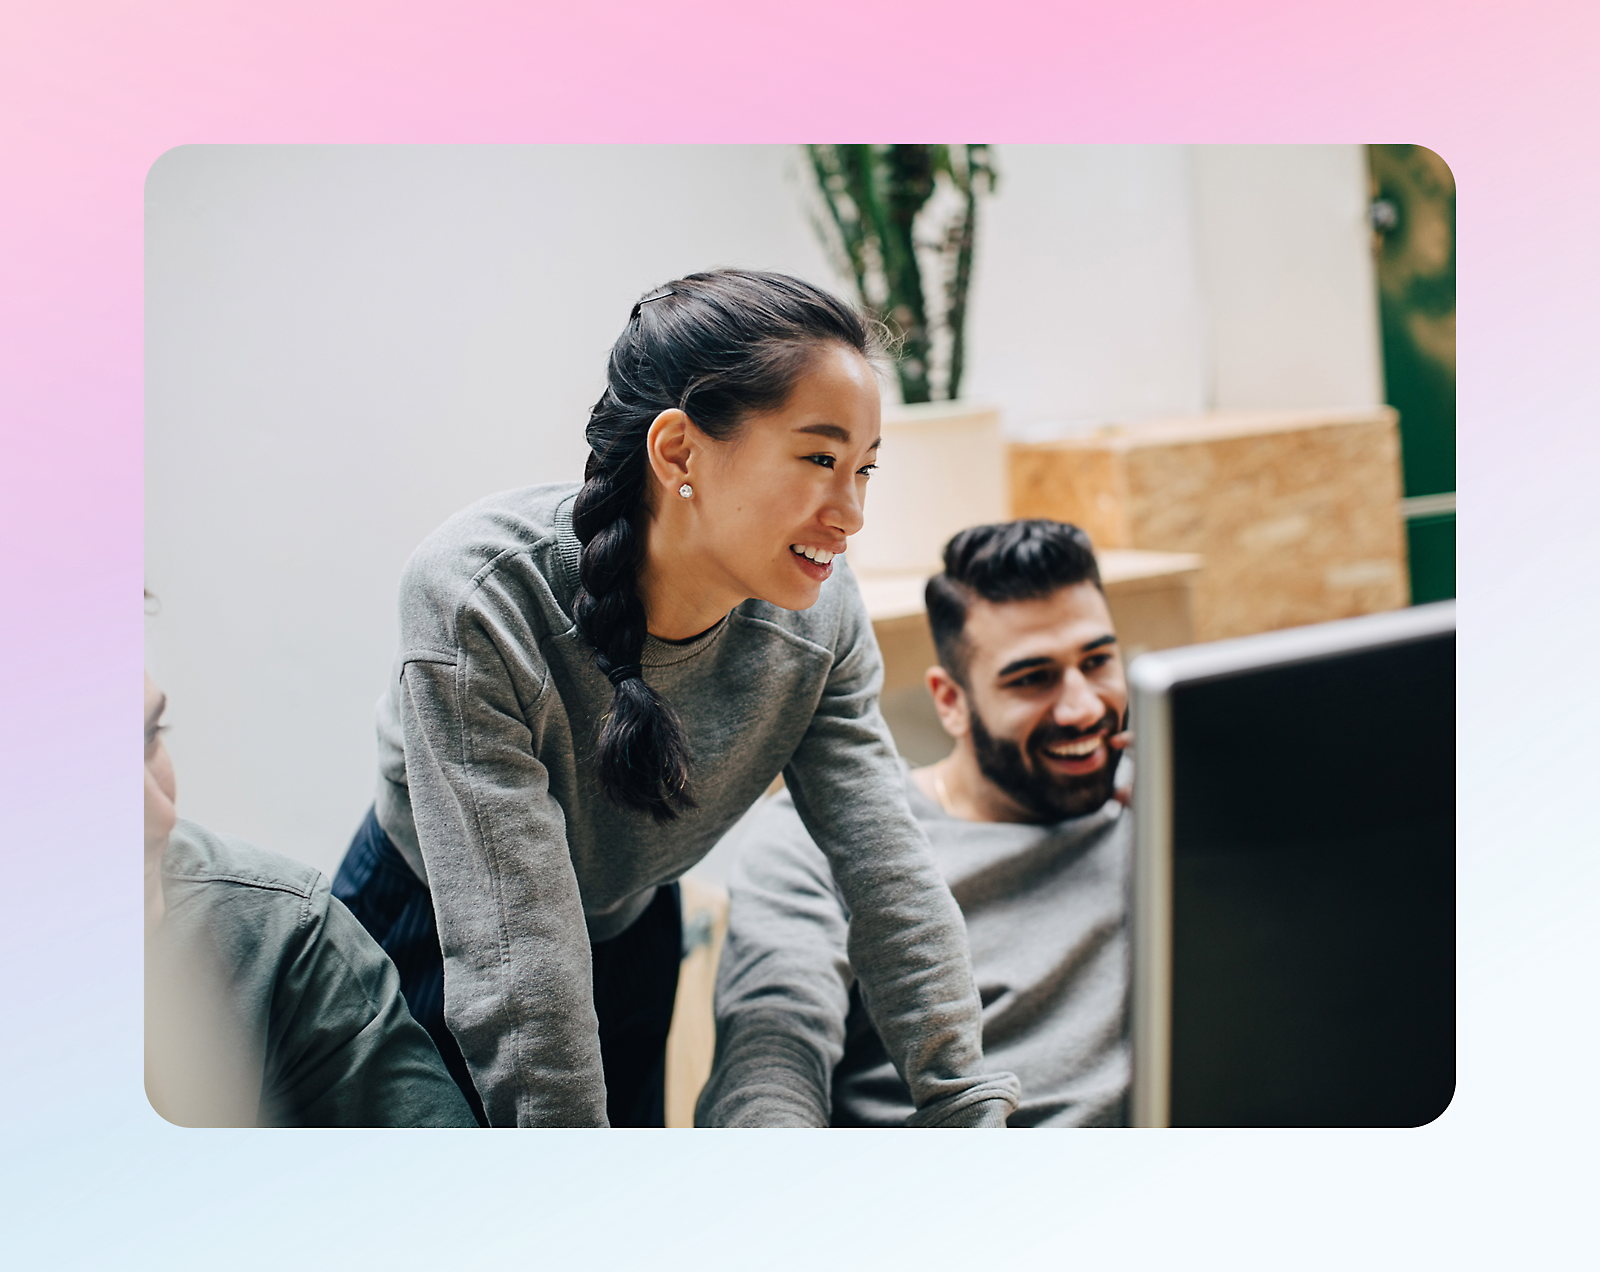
[{"x": 1025, "y": 824}]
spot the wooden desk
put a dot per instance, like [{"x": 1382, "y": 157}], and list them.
[{"x": 692, "y": 1040}]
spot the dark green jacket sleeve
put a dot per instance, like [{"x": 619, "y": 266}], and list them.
[{"x": 342, "y": 1049}]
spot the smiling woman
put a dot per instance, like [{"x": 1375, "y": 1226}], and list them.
[
  {"x": 596, "y": 681},
  {"x": 777, "y": 378}
]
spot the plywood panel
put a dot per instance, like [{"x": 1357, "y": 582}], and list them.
[
  {"x": 1297, "y": 514},
  {"x": 1085, "y": 486}
]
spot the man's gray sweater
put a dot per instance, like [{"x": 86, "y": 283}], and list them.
[
  {"x": 487, "y": 786},
  {"x": 1045, "y": 908}
]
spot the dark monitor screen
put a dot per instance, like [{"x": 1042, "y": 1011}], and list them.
[{"x": 1311, "y": 891}]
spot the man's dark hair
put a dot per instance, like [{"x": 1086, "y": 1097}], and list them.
[{"x": 1008, "y": 561}]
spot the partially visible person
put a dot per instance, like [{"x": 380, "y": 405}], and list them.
[
  {"x": 1026, "y": 828},
  {"x": 266, "y": 1003}
]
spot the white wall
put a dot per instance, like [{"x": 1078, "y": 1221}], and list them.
[
  {"x": 1285, "y": 266},
  {"x": 346, "y": 344},
  {"x": 1085, "y": 299},
  {"x": 1124, "y": 282}
]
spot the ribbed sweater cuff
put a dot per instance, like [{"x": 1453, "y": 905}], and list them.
[{"x": 987, "y": 1104}]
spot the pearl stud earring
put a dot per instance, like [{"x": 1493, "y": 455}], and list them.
[{"x": 686, "y": 490}]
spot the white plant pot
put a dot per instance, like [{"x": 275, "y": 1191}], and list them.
[{"x": 941, "y": 469}]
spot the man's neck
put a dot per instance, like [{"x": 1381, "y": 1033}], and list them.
[{"x": 957, "y": 785}]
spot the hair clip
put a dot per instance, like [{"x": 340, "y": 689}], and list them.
[{"x": 660, "y": 295}]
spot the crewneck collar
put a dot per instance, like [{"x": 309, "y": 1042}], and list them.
[
  {"x": 667, "y": 653},
  {"x": 568, "y": 550}
]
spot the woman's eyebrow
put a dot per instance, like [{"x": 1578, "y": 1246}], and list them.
[
  {"x": 156, "y": 712},
  {"x": 834, "y": 431}
]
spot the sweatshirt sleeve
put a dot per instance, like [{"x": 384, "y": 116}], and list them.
[
  {"x": 907, "y": 942},
  {"x": 783, "y": 982},
  {"x": 517, "y": 969}
]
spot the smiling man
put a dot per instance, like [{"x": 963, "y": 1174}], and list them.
[{"x": 1027, "y": 832}]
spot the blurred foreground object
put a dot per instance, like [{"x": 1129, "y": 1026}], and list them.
[
  {"x": 266, "y": 1004},
  {"x": 1297, "y": 513}
]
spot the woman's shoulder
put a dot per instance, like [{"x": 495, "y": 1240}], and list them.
[
  {"x": 524, "y": 533},
  {"x": 509, "y": 520}
]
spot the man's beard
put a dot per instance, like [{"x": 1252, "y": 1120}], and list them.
[{"x": 1025, "y": 778}]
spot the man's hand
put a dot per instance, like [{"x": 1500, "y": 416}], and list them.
[{"x": 1123, "y": 790}]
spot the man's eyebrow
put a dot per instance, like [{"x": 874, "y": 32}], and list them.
[
  {"x": 834, "y": 431},
  {"x": 1022, "y": 664}
]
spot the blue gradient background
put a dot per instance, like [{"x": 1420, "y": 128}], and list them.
[{"x": 93, "y": 91}]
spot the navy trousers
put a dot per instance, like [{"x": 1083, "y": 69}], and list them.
[{"x": 635, "y": 975}]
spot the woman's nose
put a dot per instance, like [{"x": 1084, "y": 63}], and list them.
[{"x": 845, "y": 511}]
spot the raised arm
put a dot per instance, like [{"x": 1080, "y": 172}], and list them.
[
  {"x": 517, "y": 971},
  {"x": 783, "y": 983}
]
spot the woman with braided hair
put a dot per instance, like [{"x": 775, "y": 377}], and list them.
[{"x": 596, "y": 681}]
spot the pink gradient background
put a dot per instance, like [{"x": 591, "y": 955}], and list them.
[{"x": 92, "y": 93}]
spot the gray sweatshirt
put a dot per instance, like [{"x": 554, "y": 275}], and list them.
[
  {"x": 267, "y": 1004},
  {"x": 487, "y": 787},
  {"x": 1045, "y": 908}
]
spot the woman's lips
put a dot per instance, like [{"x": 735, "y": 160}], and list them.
[
  {"x": 813, "y": 569},
  {"x": 816, "y": 562}
]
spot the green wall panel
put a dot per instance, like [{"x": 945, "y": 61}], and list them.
[{"x": 1431, "y": 543}]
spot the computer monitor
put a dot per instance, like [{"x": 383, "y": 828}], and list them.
[{"x": 1294, "y": 876}]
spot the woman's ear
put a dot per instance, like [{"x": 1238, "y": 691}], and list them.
[
  {"x": 950, "y": 701},
  {"x": 669, "y": 447}
]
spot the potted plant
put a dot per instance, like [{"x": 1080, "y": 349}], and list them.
[
  {"x": 901, "y": 223},
  {"x": 898, "y": 219}
]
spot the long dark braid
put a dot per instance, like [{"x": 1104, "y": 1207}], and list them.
[{"x": 718, "y": 346}]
